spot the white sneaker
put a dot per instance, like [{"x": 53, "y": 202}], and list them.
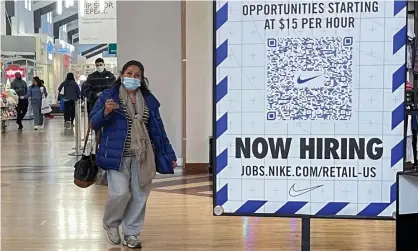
[
  {"x": 36, "y": 128},
  {"x": 40, "y": 127}
]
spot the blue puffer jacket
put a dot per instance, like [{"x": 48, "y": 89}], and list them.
[{"x": 114, "y": 130}]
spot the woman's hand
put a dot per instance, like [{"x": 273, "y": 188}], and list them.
[
  {"x": 110, "y": 105},
  {"x": 174, "y": 164}
]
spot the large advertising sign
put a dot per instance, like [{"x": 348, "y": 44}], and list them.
[
  {"x": 309, "y": 114},
  {"x": 97, "y": 23}
]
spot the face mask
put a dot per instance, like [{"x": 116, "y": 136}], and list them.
[
  {"x": 131, "y": 83},
  {"x": 100, "y": 68}
]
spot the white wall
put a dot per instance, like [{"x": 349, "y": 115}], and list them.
[
  {"x": 150, "y": 32},
  {"x": 198, "y": 80}
]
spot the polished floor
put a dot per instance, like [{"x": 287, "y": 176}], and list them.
[{"x": 41, "y": 209}]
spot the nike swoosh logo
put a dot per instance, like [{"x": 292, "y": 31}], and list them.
[
  {"x": 301, "y": 81},
  {"x": 295, "y": 193}
]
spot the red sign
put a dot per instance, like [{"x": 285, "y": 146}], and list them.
[
  {"x": 11, "y": 70},
  {"x": 67, "y": 61}
]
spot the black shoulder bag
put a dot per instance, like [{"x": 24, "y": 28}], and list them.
[{"x": 85, "y": 170}]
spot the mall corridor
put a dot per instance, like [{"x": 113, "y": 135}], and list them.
[{"x": 42, "y": 210}]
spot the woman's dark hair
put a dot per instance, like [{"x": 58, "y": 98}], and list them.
[
  {"x": 144, "y": 80},
  {"x": 39, "y": 81},
  {"x": 70, "y": 77}
]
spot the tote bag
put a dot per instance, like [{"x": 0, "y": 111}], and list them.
[
  {"x": 62, "y": 103},
  {"x": 46, "y": 108}
]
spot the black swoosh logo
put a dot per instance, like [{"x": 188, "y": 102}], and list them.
[
  {"x": 295, "y": 193},
  {"x": 301, "y": 81}
]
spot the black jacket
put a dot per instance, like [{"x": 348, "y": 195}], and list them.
[
  {"x": 20, "y": 87},
  {"x": 71, "y": 90},
  {"x": 96, "y": 83}
]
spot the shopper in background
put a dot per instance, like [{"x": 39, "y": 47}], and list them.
[
  {"x": 21, "y": 89},
  {"x": 134, "y": 145},
  {"x": 36, "y": 92},
  {"x": 96, "y": 83},
  {"x": 71, "y": 95},
  {"x": 47, "y": 115}
]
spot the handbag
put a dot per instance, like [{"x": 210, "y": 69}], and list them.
[
  {"x": 85, "y": 170},
  {"x": 62, "y": 103}
]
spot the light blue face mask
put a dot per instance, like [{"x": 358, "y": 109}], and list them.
[{"x": 131, "y": 83}]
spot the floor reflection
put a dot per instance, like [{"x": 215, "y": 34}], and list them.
[{"x": 42, "y": 210}]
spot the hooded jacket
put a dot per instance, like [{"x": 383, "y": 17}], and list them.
[
  {"x": 20, "y": 87},
  {"x": 71, "y": 90}
]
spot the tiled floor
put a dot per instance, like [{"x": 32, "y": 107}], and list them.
[{"x": 41, "y": 209}]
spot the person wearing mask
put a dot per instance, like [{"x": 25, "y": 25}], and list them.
[
  {"x": 133, "y": 145},
  {"x": 21, "y": 89},
  {"x": 36, "y": 93},
  {"x": 71, "y": 95},
  {"x": 96, "y": 83}
]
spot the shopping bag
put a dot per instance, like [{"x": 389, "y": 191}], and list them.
[
  {"x": 61, "y": 103},
  {"x": 46, "y": 108}
]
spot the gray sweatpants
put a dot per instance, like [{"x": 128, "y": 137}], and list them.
[
  {"x": 126, "y": 199},
  {"x": 38, "y": 117}
]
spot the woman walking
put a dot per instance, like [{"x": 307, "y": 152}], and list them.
[
  {"x": 71, "y": 95},
  {"x": 133, "y": 145},
  {"x": 36, "y": 93}
]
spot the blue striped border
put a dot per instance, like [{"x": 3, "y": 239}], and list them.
[
  {"x": 332, "y": 208},
  {"x": 292, "y": 207},
  {"x": 398, "y": 115},
  {"x": 398, "y": 77},
  {"x": 250, "y": 206},
  {"x": 222, "y": 196},
  {"x": 399, "y": 39},
  {"x": 222, "y": 16},
  {"x": 221, "y": 90},
  {"x": 398, "y": 6}
]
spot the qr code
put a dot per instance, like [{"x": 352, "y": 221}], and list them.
[{"x": 309, "y": 78}]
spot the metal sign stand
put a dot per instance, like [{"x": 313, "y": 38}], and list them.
[
  {"x": 306, "y": 234},
  {"x": 77, "y": 149},
  {"x": 86, "y": 122}
]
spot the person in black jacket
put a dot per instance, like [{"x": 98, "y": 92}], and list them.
[
  {"x": 96, "y": 83},
  {"x": 70, "y": 96},
  {"x": 21, "y": 89}
]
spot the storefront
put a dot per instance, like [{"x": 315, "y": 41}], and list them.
[{"x": 45, "y": 51}]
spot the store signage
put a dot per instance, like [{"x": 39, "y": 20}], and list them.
[
  {"x": 67, "y": 61},
  {"x": 63, "y": 50},
  {"x": 50, "y": 47},
  {"x": 11, "y": 70},
  {"x": 112, "y": 49},
  {"x": 95, "y": 20},
  {"x": 309, "y": 108}
]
